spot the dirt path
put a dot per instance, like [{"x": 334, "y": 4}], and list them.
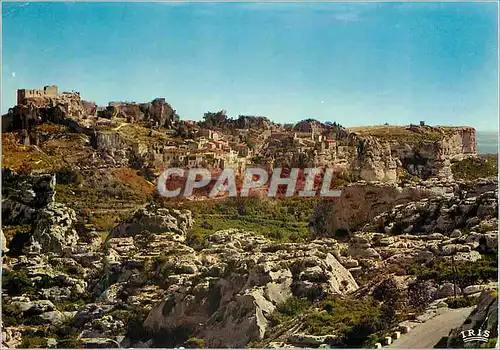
[
  {"x": 426, "y": 335},
  {"x": 119, "y": 126}
]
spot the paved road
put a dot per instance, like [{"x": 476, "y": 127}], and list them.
[{"x": 426, "y": 335}]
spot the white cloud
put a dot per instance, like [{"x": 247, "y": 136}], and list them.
[{"x": 13, "y": 74}]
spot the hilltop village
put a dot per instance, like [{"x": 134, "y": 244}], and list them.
[
  {"x": 93, "y": 257},
  {"x": 153, "y": 135}
]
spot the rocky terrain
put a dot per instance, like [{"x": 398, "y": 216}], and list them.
[
  {"x": 92, "y": 257},
  {"x": 143, "y": 285}
]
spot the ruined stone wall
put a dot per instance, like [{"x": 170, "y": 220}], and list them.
[{"x": 49, "y": 91}]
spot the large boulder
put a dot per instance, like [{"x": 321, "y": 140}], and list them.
[
  {"x": 154, "y": 220},
  {"x": 22, "y": 305},
  {"x": 54, "y": 229},
  {"x": 448, "y": 290}
]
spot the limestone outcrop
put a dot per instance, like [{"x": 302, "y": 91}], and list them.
[
  {"x": 361, "y": 202},
  {"x": 54, "y": 229},
  {"x": 23, "y": 195},
  {"x": 381, "y": 153},
  {"x": 432, "y": 157},
  {"x": 439, "y": 215},
  {"x": 237, "y": 283},
  {"x": 56, "y": 109},
  {"x": 154, "y": 220},
  {"x": 158, "y": 112}
]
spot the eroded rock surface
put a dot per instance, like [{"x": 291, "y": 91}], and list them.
[{"x": 238, "y": 282}]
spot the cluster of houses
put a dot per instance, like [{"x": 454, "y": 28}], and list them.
[
  {"x": 213, "y": 149},
  {"x": 301, "y": 141},
  {"x": 208, "y": 149}
]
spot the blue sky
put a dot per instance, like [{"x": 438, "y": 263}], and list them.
[{"x": 357, "y": 64}]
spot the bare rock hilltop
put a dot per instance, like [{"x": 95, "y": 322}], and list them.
[{"x": 93, "y": 257}]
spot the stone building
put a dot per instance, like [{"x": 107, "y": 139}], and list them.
[
  {"x": 49, "y": 90},
  {"x": 210, "y": 134}
]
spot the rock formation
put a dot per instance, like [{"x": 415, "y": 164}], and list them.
[
  {"x": 245, "y": 278},
  {"x": 24, "y": 195}
]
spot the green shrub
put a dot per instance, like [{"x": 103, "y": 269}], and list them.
[
  {"x": 196, "y": 239},
  {"x": 341, "y": 234},
  {"x": 473, "y": 168},
  {"x": 492, "y": 342},
  {"x": 293, "y": 306},
  {"x": 9, "y": 321},
  {"x": 468, "y": 273},
  {"x": 370, "y": 342},
  {"x": 17, "y": 283},
  {"x": 289, "y": 309},
  {"x": 195, "y": 343},
  {"x": 34, "y": 320},
  {"x": 29, "y": 341},
  {"x": 461, "y": 302},
  {"x": 67, "y": 336},
  {"x": 362, "y": 332},
  {"x": 69, "y": 176},
  {"x": 339, "y": 316},
  {"x": 133, "y": 317}
]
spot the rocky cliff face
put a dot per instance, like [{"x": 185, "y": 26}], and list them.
[
  {"x": 359, "y": 203},
  {"x": 375, "y": 161},
  {"x": 35, "y": 110},
  {"x": 380, "y": 153},
  {"x": 81, "y": 116},
  {"x": 462, "y": 224},
  {"x": 442, "y": 214},
  {"x": 113, "y": 147},
  {"x": 158, "y": 112},
  {"x": 433, "y": 157},
  {"x": 421, "y": 151},
  {"x": 237, "y": 283}
]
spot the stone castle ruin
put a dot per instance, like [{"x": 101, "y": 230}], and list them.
[{"x": 47, "y": 91}]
